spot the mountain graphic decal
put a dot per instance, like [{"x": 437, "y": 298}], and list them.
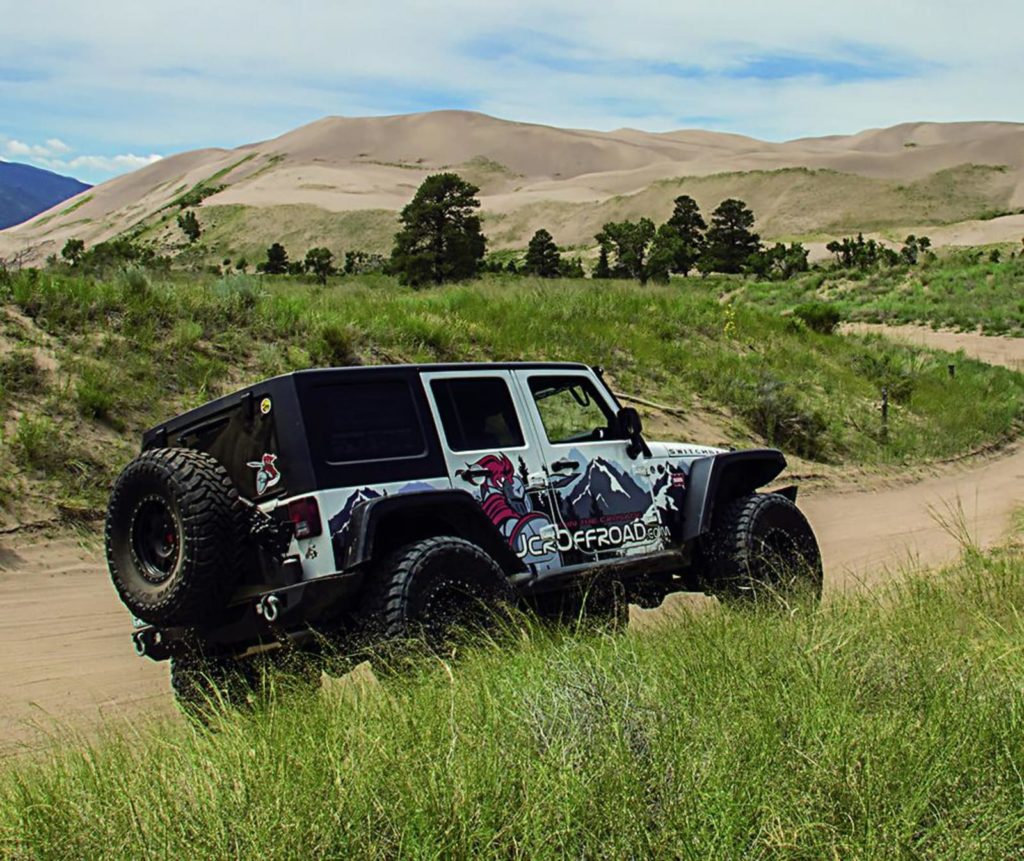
[{"x": 604, "y": 489}]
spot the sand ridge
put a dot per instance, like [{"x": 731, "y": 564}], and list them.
[{"x": 341, "y": 164}]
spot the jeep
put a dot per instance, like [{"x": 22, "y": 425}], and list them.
[{"x": 332, "y": 505}]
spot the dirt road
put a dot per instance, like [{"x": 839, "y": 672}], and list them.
[{"x": 66, "y": 659}]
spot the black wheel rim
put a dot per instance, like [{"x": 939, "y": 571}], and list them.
[
  {"x": 449, "y": 605},
  {"x": 155, "y": 538},
  {"x": 781, "y": 562}
]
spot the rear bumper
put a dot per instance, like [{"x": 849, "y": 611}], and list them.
[{"x": 257, "y": 618}]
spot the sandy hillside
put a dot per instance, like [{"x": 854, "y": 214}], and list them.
[{"x": 569, "y": 180}]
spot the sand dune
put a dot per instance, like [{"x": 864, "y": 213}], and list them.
[{"x": 532, "y": 173}]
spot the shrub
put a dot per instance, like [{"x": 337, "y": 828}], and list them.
[
  {"x": 773, "y": 410},
  {"x": 818, "y": 316},
  {"x": 19, "y": 372},
  {"x": 39, "y": 445},
  {"x": 95, "y": 395},
  {"x": 335, "y": 346}
]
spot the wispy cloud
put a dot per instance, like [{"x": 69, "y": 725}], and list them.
[
  {"x": 114, "y": 84},
  {"x": 54, "y": 154}
]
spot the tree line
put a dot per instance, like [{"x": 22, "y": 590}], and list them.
[{"x": 441, "y": 239}]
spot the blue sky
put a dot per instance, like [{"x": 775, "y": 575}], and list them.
[{"x": 98, "y": 89}]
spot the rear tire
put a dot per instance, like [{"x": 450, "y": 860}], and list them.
[
  {"x": 172, "y": 536},
  {"x": 762, "y": 549},
  {"x": 430, "y": 589}
]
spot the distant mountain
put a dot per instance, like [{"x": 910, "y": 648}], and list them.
[{"x": 26, "y": 191}]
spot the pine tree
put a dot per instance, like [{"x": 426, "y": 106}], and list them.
[
  {"x": 276, "y": 262},
  {"x": 190, "y": 226},
  {"x": 729, "y": 240},
  {"x": 688, "y": 226},
  {"x": 440, "y": 239},
  {"x": 542, "y": 257}
]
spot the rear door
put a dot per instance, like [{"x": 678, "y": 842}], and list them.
[
  {"x": 601, "y": 499},
  {"x": 491, "y": 454}
]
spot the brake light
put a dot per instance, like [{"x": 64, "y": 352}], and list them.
[{"x": 305, "y": 516}]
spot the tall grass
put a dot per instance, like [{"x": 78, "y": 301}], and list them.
[
  {"x": 880, "y": 726},
  {"x": 963, "y": 291}
]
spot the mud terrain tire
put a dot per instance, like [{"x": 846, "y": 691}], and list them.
[
  {"x": 761, "y": 548},
  {"x": 172, "y": 536},
  {"x": 429, "y": 588}
]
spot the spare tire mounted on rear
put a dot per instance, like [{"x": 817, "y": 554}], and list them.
[{"x": 172, "y": 536}]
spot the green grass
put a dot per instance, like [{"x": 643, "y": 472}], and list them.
[
  {"x": 881, "y": 726},
  {"x": 964, "y": 291},
  {"x": 134, "y": 350}
]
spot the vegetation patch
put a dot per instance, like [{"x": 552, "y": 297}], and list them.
[{"x": 880, "y": 726}]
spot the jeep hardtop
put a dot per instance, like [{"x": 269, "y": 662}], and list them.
[{"x": 328, "y": 504}]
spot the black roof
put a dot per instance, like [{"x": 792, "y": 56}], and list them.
[{"x": 276, "y": 385}]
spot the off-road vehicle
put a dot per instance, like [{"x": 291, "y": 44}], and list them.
[{"x": 328, "y": 504}]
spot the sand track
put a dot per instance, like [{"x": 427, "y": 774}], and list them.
[{"x": 66, "y": 658}]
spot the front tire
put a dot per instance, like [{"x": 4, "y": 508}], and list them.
[{"x": 762, "y": 549}]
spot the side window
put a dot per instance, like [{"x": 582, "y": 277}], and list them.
[
  {"x": 368, "y": 421},
  {"x": 571, "y": 409},
  {"x": 477, "y": 413}
]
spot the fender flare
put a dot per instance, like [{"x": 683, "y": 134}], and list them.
[
  {"x": 457, "y": 512},
  {"x": 723, "y": 477}
]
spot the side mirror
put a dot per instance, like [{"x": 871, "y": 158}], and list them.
[
  {"x": 629, "y": 423},
  {"x": 632, "y": 429}
]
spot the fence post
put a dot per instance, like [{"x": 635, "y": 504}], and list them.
[{"x": 885, "y": 413}]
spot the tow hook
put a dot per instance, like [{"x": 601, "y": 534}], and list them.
[
  {"x": 145, "y": 640},
  {"x": 269, "y": 607}
]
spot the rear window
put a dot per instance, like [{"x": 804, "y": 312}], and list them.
[
  {"x": 368, "y": 421},
  {"x": 241, "y": 438}
]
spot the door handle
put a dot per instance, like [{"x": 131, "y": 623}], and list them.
[{"x": 560, "y": 465}]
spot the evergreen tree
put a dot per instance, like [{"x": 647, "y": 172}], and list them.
[
  {"x": 190, "y": 226},
  {"x": 320, "y": 262},
  {"x": 276, "y": 262},
  {"x": 603, "y": 269},
  {"x": 688, "y": 225},
  {"x": 542, "y": 257},
  {"x": 440, "y": 239},
  {"x": 729, "y": 241}
]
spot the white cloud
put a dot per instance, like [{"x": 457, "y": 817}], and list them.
[
  {"x": 119, "y": 78},
  {"x": 56, "y": 155},
  {"x": 16, "y": 147},
  {"x": 113, "y": 164}
]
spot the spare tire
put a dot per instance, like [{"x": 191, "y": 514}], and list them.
[{"x": 172, "y": 536}]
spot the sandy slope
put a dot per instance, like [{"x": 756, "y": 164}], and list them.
[
  {"x": 351, "y": 164},
  {"x": 66, "y": 659}
]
